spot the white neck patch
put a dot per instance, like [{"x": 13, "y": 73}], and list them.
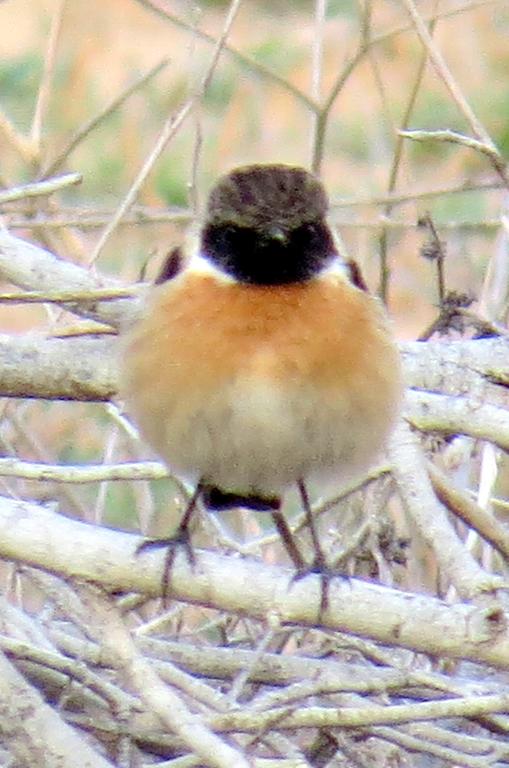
[{"x": 200, "y": 265}]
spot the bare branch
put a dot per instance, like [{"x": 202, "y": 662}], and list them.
[
  {"x": 33, "y": 267},
  {"x": 76, "y": 474},
  {"x": 79, "y": 368},
  {"x": 452, "y": 415},
  {"x": 350, "y": 717},
  {"x": 40, "y": 188},
  {"x": 41, "y": 538},
  {"x": 114, "y": 104},
  {"x": 467, "y": 510},
  {"x": 25, "y": 716},
  {"x": 168, "y": 131},
  {"x": 415, "y": 487},
  {"x": 162, "y": 700}
]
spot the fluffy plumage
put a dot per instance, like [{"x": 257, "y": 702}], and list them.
[{"x": 260, "y": 364}]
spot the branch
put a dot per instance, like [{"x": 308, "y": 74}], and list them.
[
  {"x": 456, "y": 367},
  {"x": 160, "y": 699},
  {"x": 40, "y": 188},
  {"x": 25, "y": 716},
  {"x": 414, "y": 485},
  {"x": 41, "y": 538},
  {"x": 355, "y": 717},
  {"x": 81, "y": 368},
  {"x": 453, "y": 415},
  {"x": 34, "y": 268},
  {"x": 458, "y": 502},
  {"x": 78, "y": 474}
]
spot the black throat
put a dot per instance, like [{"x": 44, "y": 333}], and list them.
[{"x": 268, "y": 256}]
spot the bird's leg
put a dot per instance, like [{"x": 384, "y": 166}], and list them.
[
  {"x": 288, "y": 540},
  {"x": 319, "y": 564},
  {"x": 181, "y": 537}
]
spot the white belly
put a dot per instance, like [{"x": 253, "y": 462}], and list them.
[{"x": 258, "y": 438}]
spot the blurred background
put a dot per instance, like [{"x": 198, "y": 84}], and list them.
[{"x": 326, "y": 85}]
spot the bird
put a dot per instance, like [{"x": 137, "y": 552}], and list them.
[{"x": 260, "y": 361}]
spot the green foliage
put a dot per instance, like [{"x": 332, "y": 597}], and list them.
[
  {"x": 277, "y": 53},
  {"x": 220, "y": 91},
  {"x": 466, "y": 207},
  {"x": 19, "y": 81},
  {"x": 341, "y": 8},
  {"x": 120, "y": 507},
  {"x": 349, "y": 138},
  {"x": 171, "y": 180}
]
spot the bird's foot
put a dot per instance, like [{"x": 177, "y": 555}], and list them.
[
  {"x": 171, "y": 544},
  {"x": 319, "y": 567}
]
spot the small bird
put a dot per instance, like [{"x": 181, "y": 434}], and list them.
[{"x": 260, "y": 361}]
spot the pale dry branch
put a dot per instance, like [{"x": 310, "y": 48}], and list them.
[
  {"x": 35, "y": 732},
  {"x": 453, "y": 415},
  {"x": 280, "y": 671},
  {"x": 41, "y": 538},
  {"x": 32, "y": 267},
  {"x": 403, "y": 196},
  {"x": 72, "y": 218},
  {"x": 170, "y": 128},
  {"x": 464, "y": 507},
  {"x": 40, "y": 188},
  {"x": 95, "y": 221},
  {"x": 66, "y": 297},
  {"x": 353, "y": 717},
  {"x": 54, "y": 165},
  {"x": 58, "y": 473},
  {"x": 453, "y": 137},
  {"x": 79, "y": 368},
  {"x": 458, "y": 367},
  {"x": 456, "y": 563},
  {"x": 445, "y": 75},
  {"x": 160, "y": 699}
]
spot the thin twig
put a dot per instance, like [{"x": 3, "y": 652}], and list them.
[
  {"x": 469, "y": 511},
  {"x": 383, "y": 287},
  {"x": 66, "y": 297},
  {"x": 53, "y": 166},
  {"x": 453, "y": 137},
  {"x": 316, "y": 70},
  {"x": 40, "y": 188},
  {"x": 246, "y": 61},
  {"x": 58, "y": 473},
  {"x": 44, "y": 91},
  {"x": 354, "y": 717},
  {"x": 170, "y": 128},
  {"x": 452, "y": 86}
]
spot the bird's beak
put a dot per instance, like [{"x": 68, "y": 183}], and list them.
[{"x": 278, "y": 234}]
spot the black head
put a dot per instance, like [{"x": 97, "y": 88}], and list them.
[{"x": 265, "y": 224}]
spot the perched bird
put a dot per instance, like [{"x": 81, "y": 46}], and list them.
[{"x": 260, "y": 360}]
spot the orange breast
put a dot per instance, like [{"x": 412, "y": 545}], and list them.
[{"x": 204, "y": 346}]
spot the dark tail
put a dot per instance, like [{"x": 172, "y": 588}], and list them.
[{"x": 215, "y": 498}]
